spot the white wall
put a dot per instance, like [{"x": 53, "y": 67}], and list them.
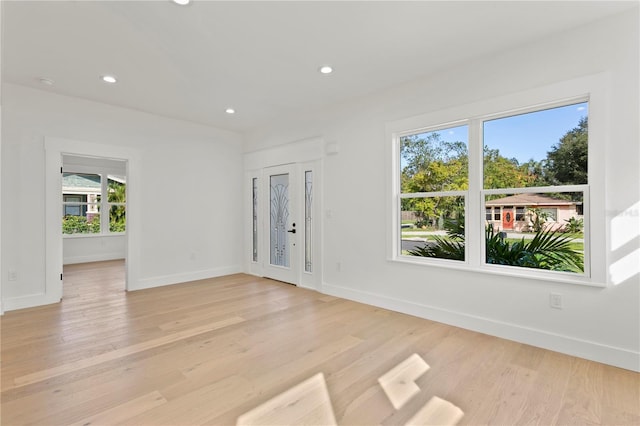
[
  {"x": 189, "y": 176},
  {"x": 1, "y": 97},
  {"x": 82, "y": 249},
  {"x": 596, "y": 323}
]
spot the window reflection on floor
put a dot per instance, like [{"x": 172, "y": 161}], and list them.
[
  {"x": 399, "y": 383},
  {"x": 309, "y": 402}
]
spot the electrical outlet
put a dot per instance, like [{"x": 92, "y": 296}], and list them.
[
  {"x": 13, "y": 275},
  {"x": 555, "y": 300}
]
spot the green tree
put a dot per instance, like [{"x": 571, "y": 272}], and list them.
[
  {"x": 501, "y": 172},
  {"x": 567, "y": 161},
  {"x": 417, "y": 151},
  {"x": 430, "y": 165},
  {"x": 536, "y": 172},
  {"x": 117, "y": 214}
]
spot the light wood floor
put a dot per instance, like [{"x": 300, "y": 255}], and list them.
[{"x": 210, "y": 351}]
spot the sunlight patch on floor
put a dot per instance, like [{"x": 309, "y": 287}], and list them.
[
  {"x": 307, "y": 403},
  {"x": 399, "y": 383},
  {"x": 436, "y": 412}
]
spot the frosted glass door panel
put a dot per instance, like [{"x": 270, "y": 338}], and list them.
[{"x": 279, "y": 212}]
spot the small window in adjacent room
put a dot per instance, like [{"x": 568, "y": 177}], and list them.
[{"x": 85, "y": 196}]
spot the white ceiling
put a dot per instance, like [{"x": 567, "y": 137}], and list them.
[{"x": 260, "y": 58}]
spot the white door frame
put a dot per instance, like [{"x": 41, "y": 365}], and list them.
[
  {"x": 307, "y": 155},
  {"x": 54, "y": 149}
]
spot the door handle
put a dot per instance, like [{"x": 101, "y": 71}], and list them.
[{"x": 293, "y": 231}]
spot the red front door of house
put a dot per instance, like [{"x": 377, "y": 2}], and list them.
[{"x": 507, "y": 219}]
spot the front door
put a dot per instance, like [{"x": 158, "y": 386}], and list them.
[
  {"x": 507, "y": 218},
  {"x": 283, "y": 232}
]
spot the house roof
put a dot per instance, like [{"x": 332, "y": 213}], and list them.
[
  {"x": 530, "y": 200},
  {"x": 76, "y": 181}
]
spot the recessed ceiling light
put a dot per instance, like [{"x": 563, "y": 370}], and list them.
[
  {"x": 46, "y": 81},
  {"x": 181, "y": 2},
  {"x": 109, "y": 79},
  {"x": 230, "y": 111},
  {"x": 325, "y": 69}
]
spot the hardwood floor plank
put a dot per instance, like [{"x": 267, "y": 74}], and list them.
[
  {"x": 123, "y": 412},
  {"x": 582, "y": 402},
  {"x": 119, "y": 353},
  {"x": 64, "y": 403},
  {"x": 306, "y": 403},
  {"x": 209, "y": 351}
]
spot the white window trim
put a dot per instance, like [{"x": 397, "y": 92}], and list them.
[
  {"x": 104, "y": 203},
  {"x": 591, "y": 88}
]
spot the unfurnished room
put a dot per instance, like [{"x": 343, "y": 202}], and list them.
[{"x": 320, "y": 212}]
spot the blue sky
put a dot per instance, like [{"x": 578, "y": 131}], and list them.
[
  {"x": 532, "y": 135},
  {"x": 524, "y": 136}
]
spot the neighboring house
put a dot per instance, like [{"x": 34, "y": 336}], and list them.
[
  {"x": 514, "y": 213},
  {"x": 80, "y": 195}
]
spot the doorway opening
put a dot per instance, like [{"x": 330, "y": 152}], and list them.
[{"x": 94, "y": 219}]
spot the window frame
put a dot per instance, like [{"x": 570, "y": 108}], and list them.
[
  {"x": 80, "y": 204},
  {"x": 107, "y": 205},
  {"x": 431, "y": 194},
  {"x": 589, "y": 89},
  {"x": 103, "y": 203}
]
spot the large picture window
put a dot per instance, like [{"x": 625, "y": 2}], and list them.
[{"x": 520, "y": 180}]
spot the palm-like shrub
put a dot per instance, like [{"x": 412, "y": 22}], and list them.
[
  {"x": 574, "y": 225},
  {"x": 546, "y": 250},
  {"x": 451, "y": 247}
]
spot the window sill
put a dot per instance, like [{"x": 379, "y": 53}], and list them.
[
  {"x": 506, "y": 271},
  {"x": 74, "y": 236}
]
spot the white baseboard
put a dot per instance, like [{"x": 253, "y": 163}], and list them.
[
  {"x": 593, "y": 351},
  {"x": 28, "y": 301},
  {"x": 160, "y": 281},
  {"x": 92, "y": 258},
  {"x": 39, "y": 299},
  {"x": 306, "y": 287}
]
